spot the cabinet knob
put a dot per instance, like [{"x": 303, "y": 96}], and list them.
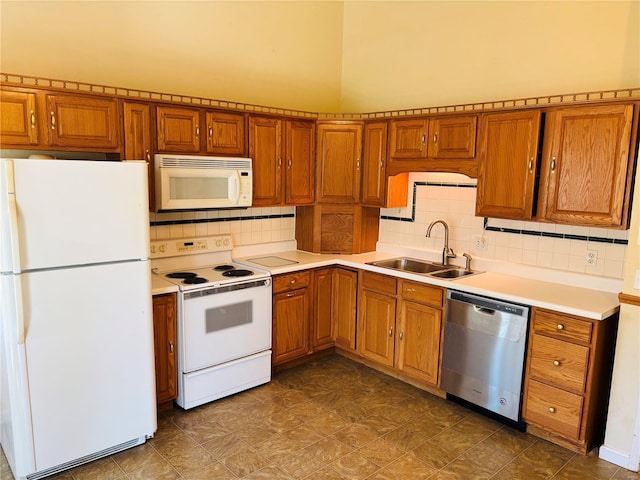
[
  {"x": 33, "y": 119},
  {"x": 289, "y": 295},
  {"x": 552, "y": 410},
  {"x": 53, "y": 121},
  {"x": 289, "y": 163},
  {"x": 422, "y": 138},
  {"x": 357, "y": 164},
  {"x": 435, "y": 137},
  {"x": 210, "y": 131},
  {"x": 170, "y": 347},
  {"x": 401, "y": 335},
  {"x": 197, "y": 130},
  {"x": 148, "y": 156},
  {"x": 560, "y": 326},
  {"x": 391, "y": 332},
  {"x": 556, "y": 363},
  {"x": 411, "y": 290},
  {"x": 292, "y": 281},
  {"x": 531, "y": 165},
  {"x": 553, "y": 164}
]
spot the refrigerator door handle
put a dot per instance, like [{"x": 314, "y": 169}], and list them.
[
  {"x": 13, "y": 217},
  {"x": 15, "y": 247}
]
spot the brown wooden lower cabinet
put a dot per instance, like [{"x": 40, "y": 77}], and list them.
[
  {"x": 568, "y": 378},
  {"x": 164, "y": 336},
  {"x": 291, "y": 316},
  {"x": 400, "y": 325}
]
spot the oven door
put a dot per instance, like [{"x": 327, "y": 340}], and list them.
[{"x": 225, "y": 323}]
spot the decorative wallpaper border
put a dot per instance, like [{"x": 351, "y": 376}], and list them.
[
  {"x": 157, "y": 223},
  {"x": 489, "y": 228}
]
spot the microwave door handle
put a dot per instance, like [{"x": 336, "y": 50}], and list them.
[{"x": 235, "y": 193}]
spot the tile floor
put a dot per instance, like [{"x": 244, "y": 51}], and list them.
[{"x": 336, "y": 419}]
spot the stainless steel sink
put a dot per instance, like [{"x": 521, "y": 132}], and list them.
[
  {"x": 457, "y": 273},
  {"x": 424, "y": 267},
  {"x": 410, "y": 265}
]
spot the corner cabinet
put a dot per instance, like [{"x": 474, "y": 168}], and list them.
[
  {"x": 582, "y": 176},
  {"x": 164, "y": 335},
  {"x": 568, "y": 377},
  {"x": 338, "y": 162},
  {"x": 434, "y": 143}
]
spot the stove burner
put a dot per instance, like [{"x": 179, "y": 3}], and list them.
[
  {"x": 193, "y": 280},
  {"x": 222, "y": 268},
  {"x": 181, "y": 275},
  {"x": 239, "y": 272}
]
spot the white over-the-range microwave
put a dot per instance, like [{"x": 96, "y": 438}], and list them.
[{"x": 186, "y": 182}]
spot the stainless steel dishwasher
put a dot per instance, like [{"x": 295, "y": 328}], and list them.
[{"x": 483, "y": 353}]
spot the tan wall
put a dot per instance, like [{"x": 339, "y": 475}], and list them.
[
  {"x": 285, "y": 54},
  {"x": 415, "y": 54}
]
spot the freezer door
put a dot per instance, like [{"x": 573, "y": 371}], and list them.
[
  {"x": 73, "y": 212},
  {"x": 89, "y": 356}
]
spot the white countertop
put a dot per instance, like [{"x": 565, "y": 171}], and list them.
[{"x": 589, "y": 303}]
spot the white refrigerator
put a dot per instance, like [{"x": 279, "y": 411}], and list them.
[{"x": 76, "y": 331}]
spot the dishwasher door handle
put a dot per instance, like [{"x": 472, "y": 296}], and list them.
[{"x": 484, "y": 310}]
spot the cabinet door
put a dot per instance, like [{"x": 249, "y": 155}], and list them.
[
  {"x": 452, "y": 137},
  {"x": 225, "y": 133},
  {"x": 18, "y": 124},
  {"x": 377, "y": 317},
  {"x": 290, "y": 325},
  {"x": 507, "y": 164},
  {"x": 408, "y": 138},
  {"x": 323, "y": 324},
  {"x": 373, "y": 164},
  {"x": 339, "y": 153},
  {"x": 344, "y": 303},
  {"x": 87, "y": 122},
  {"x": 265, "y": 148},
  {"x": 585, "y": 166},
  {"x": 164, "y": 334},
  {"x": 178, "y": 129},
  {"x": 137, "y": 139},
  {"x": 419, "y": 341},
  {"x": 300, "y": 150}
]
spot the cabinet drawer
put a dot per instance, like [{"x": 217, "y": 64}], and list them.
[
  {"x": 553, "y": 409},
  {"x": 559, "y": 363},
  {"x": 562, "y": 326},
  {"x": 289, "y": 281},
  {"x": 421, "y": 293},
  {"x": 378, "y": 282}
]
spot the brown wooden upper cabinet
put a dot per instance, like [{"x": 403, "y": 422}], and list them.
[
  {"x": 137, "y": 139},
  {"x": 18, "y": 125},
  {"x": 181, "y": 130},
  {"x": 225, "y": 133},
  {"x": 508, "y": 164},
  {"x": 282, "y": 153},
  {"x": 70, "y": 121},
  {"x": 379, "y": 189},
  {"x": 442, "y": 143},
  {"x": 338, "y": 162},
  {"x": 585, "y": 166}
]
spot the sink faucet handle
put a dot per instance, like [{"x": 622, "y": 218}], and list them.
[
  {"x": 450, "y": 253},
  {"x": 467, "y": 265}
]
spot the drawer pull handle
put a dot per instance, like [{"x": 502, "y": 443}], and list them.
[
  {"x": 560, "y": 326},
  {"x": 289, "y": 295},
  {"x": 411, "y": 290},
  {"x": 556, "y": 363},
  {"x": 292, "y": 281},
  {"x": 552, "y": 410}
]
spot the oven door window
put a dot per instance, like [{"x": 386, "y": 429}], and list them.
[
  {"x": 218, "y": 328},
  {"x": 228, "y": 316}
]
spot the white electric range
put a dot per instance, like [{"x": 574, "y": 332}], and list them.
[{"x": 224, "y": 318}]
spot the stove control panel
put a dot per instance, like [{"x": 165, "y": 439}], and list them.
[{"x": 189, "y": 246}]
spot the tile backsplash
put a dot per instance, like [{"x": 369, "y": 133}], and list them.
[
  {"x": 452, "y": 198},
  {"x": 246, "y": 226},
  {"x": 432, "y": 196}
]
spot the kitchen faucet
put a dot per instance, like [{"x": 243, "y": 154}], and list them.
[{"x": 447, "y": 252}]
